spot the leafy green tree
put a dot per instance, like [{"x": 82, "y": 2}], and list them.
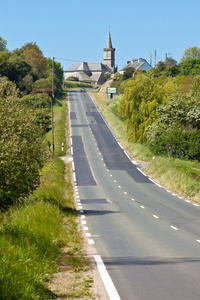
[
  {"x": 161, "y": 66},
  {"x": 170, "y": 61},
  {"x": 117, "y": 77},
  {"x": 3, "y": 44},
  {"x": 34, "y": 57},
  {"x": 4, "y": 65},
  {"x": 141, "y": 97},
  {"x": 22, "y": 150},
  {"x": 172, "y": 71},
  {"x": 190, "y": 66},
  {"x": 128, "y": 73},
  {"x": 58, "y": 73},
  {"x": 107, "y": 75},
  {"x": 191, "y": 52},
  {"x": 26, "y": 84},
  {"x": 18, "y": 68},
  {"x": 178, "y": 124}
]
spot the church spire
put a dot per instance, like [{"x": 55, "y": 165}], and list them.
[
  {"x": 109, "y": 55},
  {"x": 109, "y": 43}
]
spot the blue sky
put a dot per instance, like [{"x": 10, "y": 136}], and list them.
[{"x": 78, "y": 30}]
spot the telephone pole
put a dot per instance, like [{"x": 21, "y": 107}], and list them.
[
  {"x": 52, "y": 126},
  {"x": 155, "y": 59}
]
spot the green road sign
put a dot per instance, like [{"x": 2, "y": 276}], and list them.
[{"x": 111, "y": 90}]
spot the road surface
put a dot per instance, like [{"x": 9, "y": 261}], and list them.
[{"x": 147, "y": 238}]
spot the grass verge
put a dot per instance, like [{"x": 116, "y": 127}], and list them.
[
  {"x": 181, "y": 177},
  {"x": 42, "y": 238}
]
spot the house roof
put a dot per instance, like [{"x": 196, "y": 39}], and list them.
[
  {"x": 84, "y": 66},
  {"x": 136, "y": 63}
]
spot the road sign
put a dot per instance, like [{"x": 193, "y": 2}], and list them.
[
  {"x": 111, "y": 90},
  {"x": 169, "y": 147}
]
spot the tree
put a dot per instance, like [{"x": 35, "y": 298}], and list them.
[
  {"x": 170, "y": 62},
  {"x": 128, "y": 73},
  {"x": 161, "y": 66},
  {"x": 190, "y": 66},
  {"x": 191, "y": 52},
  {"x": 107, "y": 75},
  {"x": 141, "y": 97},
  {"x": 3, "y": 44},
  {"x": 34, "y": 57},
  {"x": 22, "y": 151},
  {"x": 58, "y": 73},
  {"x": 18, "y": 68},
  {"x": 4, "y": 66}
]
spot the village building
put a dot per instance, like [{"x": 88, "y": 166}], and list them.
[
  {"x": 137, "y": 64},
  {"x": 93, "y": 72}
]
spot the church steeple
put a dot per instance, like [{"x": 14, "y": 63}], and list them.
[
  {"x": 109, "y": 55},
  {"x": 109, "y": 43}
]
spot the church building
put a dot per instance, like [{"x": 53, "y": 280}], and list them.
[{"x": 93, "y": 72}]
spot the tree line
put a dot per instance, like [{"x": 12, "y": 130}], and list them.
[
  {"x": 162, "y": 106},
  {"x": 25, "y": 106}
]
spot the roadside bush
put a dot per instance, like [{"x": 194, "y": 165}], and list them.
[
  {"x": 22, "y": 147},
  {"x": 185, "y": 143}
]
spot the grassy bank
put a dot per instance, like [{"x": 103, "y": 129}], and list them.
[
  {"x": 181, "y": 177},
  {"x": 42, "y": 237}
]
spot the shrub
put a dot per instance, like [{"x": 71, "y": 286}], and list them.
[{"x": 22, "y": 151}]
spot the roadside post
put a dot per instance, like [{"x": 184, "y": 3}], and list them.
[
  {"x": 62, "y": 146},
  {"x": 169, "y": 148},
  {"x": 111, "y": 91}
]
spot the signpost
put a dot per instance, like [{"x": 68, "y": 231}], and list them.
[
  {"x": 169, "y": 148},
  {"x": 111, "y": 91}
]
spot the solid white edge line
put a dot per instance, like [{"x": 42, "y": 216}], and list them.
[
  {"x": 110, "y": 288},
  {"x": 141, "y": 172},
  {"x": 155, "y": 182}
]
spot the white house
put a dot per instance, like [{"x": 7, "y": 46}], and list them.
[{"x": 137, "y": 64}]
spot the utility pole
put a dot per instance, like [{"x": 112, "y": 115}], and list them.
[
  {"x": 52, "y": 125},
  {"x": 165, "y": 58},
  {"x": 150, "y": 59},
  {"x": 155, "y": 60}
]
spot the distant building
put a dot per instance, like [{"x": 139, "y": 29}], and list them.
[
  {"x": 109, "y": 56},
  {"x": 93, "y": 72},
  {"x": 137, "y": 64}
]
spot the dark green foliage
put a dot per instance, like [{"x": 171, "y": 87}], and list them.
[
  {"x": 128, "y": 73},
  {"x": 172, "y": 71},
  {"x": 178, "y": 124},
  {"x": 40, "y": 104},
  {"x": 185, "y": 143},
  {"x": 3, "y": 44},
  {"x": 107, "y": 75},
  {"x": 22, "y": 149},
  {"x": 142, "y": 95},
  {"x": 190, "y": 66}
]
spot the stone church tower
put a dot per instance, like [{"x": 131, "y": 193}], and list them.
[{"x": 109, "y": 55}]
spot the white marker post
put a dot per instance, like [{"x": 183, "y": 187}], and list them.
[{"x": 62, "y": 146}]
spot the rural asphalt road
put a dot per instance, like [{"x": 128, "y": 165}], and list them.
[{"x": 147, "y": 238}]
